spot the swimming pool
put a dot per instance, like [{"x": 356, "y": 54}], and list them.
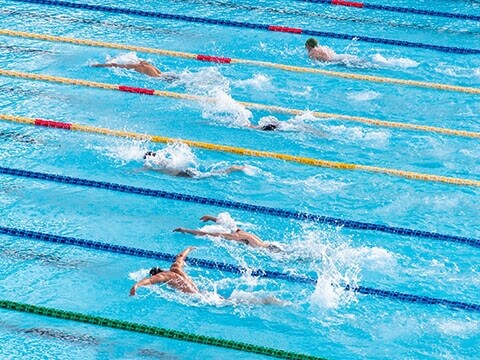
[{"x": 323, "y": 320}]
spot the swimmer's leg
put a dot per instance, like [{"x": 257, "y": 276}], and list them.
[
  {"x": 234, "y": 168},
  {"x": 252, "y": 299},
  {"x": 169, "y": 77}
]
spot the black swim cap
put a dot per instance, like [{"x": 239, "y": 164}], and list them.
[
  {"x": 311, "y": 42},
  {"x": 269, "y": 127},
  {"x": 155, "y": 270},
  {"x": 149, "y": 153}
]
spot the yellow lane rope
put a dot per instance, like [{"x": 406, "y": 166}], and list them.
[
  {"x": 338, "y": 74},
  {"x": 275, "y": 109},
  {"x": 243, "y": 151}
]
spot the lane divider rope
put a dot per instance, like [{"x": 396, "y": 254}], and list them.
[
  {"x": 289, "y": 214},
  {"x": 404, "y": 10},
  {"x": 271, "y": 108},
  {"x": 153, "y": 330},
  {"x": 89, "y": 244},
  {"x": 246, "y": 152},
  {"x": 284, "y": 29},
  {"x": 226, "y": 60}
]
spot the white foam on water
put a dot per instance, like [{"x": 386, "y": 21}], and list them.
[
  {"x": 374, "y": 138},
  {"x": 270, "y": 120},
  {"x": 457, "y": 71},
  {"x": 257, "y": 82},
  {"x": 174, "y": 157},
  {"x": 460, "y": 328},
  {"x": 129, "y": 58},
  {"x": 251, "y": 170},
  {"x": 337, "y": 263},
  {"x": 394, "y": 61},
  {"x": 224, "y": 224},
  {"x": 366, "y": 95},
  {"x": 122, "y": 151},
  {"x": 224, "y": 109},
  {"x": 369, "y": 258},
  {"x": 203, "y": 82},
  {"x": 316, "y": 184}
]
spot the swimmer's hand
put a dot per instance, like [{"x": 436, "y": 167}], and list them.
[
  {"x": 206, "y": 218},
  {"x": 133, "y": 290},
  {"x": 179, "y": 229}
]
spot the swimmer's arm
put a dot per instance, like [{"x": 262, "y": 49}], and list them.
[
  {"x": 159, "y": 278},
  {"x": 180, "y": 260},
  {"x": 206, "y": 218},
  {"x": 126, "y": 66},
  {"x": 202, "y": 233},
  {"x": 144, "y": 282}
]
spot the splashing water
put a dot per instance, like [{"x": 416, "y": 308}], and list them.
[
  {"x": 364, "y": 95},
  {"x": 394, "y": 62},
  {"x": 457, "y": 71},
  {"x": 123, "y": 151},
  {"x": 226, "y": 110},
  {"x": 220, "y": 106},
  {"x": 129, "y": 58},
  {"x": 460, "y": 328},
  {"x": 174, "y": 157},
  {"x": 224, "y": 224},
  {"x": 316, "y": 184},
  {"x": 372, "y": 138},
  {"x": 258, "y": 82},
  {"x": 204, "y": 82}
]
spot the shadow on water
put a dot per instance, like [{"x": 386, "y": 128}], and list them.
[
  {"x": 47, "y": 333},
  {"x": 80, "y": 339},
  {"x": 150, "y": 353},
  {"x": 75, "y": 20},
  {"x": 7, "y": 135},
  {"x": 312, "y": 14},
  {"x": 46, "y": 259},
  {"x": 23, "y": 50}
]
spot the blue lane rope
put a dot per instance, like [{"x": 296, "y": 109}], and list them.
[
  {"x": 405, "y": 10},
  {"x": 89, "y": 244},
  {"x": 248, "y": 25},
  {"x": 149, "y": 254},
  {"x": 350, "y": 224}
]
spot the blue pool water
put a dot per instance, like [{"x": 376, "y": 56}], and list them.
[{"x": 322, "y": 320}]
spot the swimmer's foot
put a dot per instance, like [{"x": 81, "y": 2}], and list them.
[
  {"x": 235, "y": 168},
  {"x": 272, "y": 300}
]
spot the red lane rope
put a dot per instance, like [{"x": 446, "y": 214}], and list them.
[
  {"x": 136, "y": 90},
  {"x": 215, "y": 59},
  {"x": 53, "y": 124},
  {"x": 285, "y": 29},
  {"x": 347, "y": 3}
]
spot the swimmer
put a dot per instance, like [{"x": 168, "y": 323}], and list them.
[
  {"x": 143, "y": 67},
  {"x": 175, "y": 277},
  {"x": 271, "y": 123},
  {"x": 326, "y": 54},
  {"x": 236, "y": 234},
  {"x": 179, "y": 280},
  {"x": 186, "y": 173},
  {"x": 267, "y": 127},
  {"x": 10, "y": 134}
]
